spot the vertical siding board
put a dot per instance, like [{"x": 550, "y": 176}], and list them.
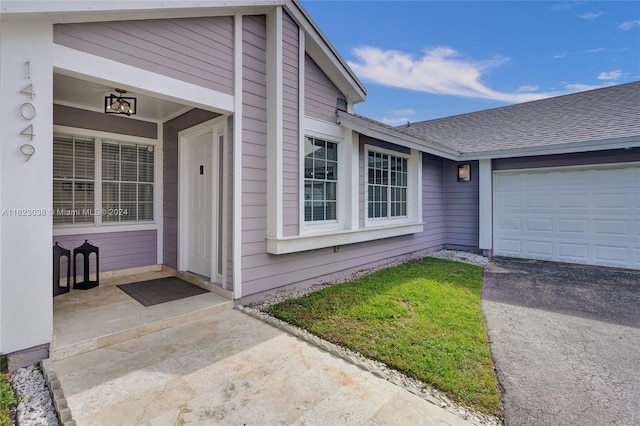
[
  {"x": 170, "y": 179},
  {"x": 291, "y": 132},
  {"x": 118, "y": 250},
  {"x": 194, "y": 50},
  {"x": 320, "y": 93}
]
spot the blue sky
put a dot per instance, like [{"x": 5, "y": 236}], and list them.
[{"x": 427, "y": 59}]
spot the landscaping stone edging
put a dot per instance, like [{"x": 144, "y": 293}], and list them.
[
  {"x": 57, "y": 394},
  {"x": 376, "y": 368}
]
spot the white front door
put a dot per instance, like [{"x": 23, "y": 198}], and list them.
[{"x": 200, "y": 214}]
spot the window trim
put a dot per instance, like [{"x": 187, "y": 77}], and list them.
[
  {"x": 328, "y": 132},
  {"x": 414, "y": 179},
  {"x": 106, "y": 227}
]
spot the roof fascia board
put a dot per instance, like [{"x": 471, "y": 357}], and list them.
[
  {"x": 326, "y": 56},
  {"x": 379, "y": 132},
  {"x": 568, "y": 148},
  {"x": 94, "y": 11}
]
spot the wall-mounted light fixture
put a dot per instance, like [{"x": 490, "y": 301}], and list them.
[
  {"x": 464, "y": 172},
  {"x": 118, "y": 104}
]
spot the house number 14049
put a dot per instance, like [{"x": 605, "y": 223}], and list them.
[{"x": 28, "y": 112}]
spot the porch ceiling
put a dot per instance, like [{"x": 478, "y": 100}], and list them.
[{"x": 88, "y": 95}]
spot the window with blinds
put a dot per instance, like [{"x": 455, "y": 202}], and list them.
[
  {"x": 127, "y": 182},
  {"x": 387, "y": 182},
  {"x": 73, "y": 179},
  {"x": 99, "y": 181}
]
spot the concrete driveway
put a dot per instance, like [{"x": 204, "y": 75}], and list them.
[{"x": 566, "y": 342}]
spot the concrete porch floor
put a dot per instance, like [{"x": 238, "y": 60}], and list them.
[{"x": 85, "y": 320}]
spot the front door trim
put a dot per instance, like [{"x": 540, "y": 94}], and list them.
[{"x": 217, "y": 127}]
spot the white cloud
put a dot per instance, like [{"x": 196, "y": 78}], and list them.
[
  {"x": 579, "y": 87},
  {"x": 580, "y": 52},
  {"x": 400, "y": 117},
  {"x": 528, "y": 88},
  {"x": 629, "y": 24},
  {"x": 610, "y": 75},
  {"x": 590, "y": 15},
  {"x": 439, "y": 70}
]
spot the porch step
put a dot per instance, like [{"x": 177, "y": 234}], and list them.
[{"x": 104, "y": 316}]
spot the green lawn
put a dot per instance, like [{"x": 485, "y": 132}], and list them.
[
  {"x": 7, "y": 401},
  {"x": 422, "y": 318}
]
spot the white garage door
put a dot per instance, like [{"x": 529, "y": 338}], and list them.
[{"x": 586, "y": 215}]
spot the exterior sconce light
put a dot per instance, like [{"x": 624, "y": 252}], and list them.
[
  {"x": 118, "y": 104},
  {"x": 464, "y": 172}
]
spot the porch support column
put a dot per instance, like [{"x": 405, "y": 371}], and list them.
[
  {"x": 237, "y": 158},
  {"x": 486, "y": 205},
  {"x": 26, "y": 132}
]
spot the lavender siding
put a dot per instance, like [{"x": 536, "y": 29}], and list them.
[
  {"x": 461, "y": 211},
  {"x": 265, "y": 274},
  {"x": 291, "y": 133},
  {"x": 574, "y": 159},
  {"x": 83, "y": 119},
  {"x": 254, "y": 142},
  {"x": 170, "y": 179},
  {"x": 194, "y": 50},
  {"x": 118, "y": 250},
  {"x": 320, "y": 94}
]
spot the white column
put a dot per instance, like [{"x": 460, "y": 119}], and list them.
[
  {"x": 237, "y": 158},
  {"x": 274, "y": 124},
  {"x": 26, "y": 127},
  {"x": 486, "y": 204}
]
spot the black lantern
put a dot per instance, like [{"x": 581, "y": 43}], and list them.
[
  {"x": 58, "y": 253},
  {"x": 85, "y": 250}
]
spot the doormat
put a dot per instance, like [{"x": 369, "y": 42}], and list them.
[{"x": 162, "y": 290}]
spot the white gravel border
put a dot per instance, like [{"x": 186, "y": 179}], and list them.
[
  {"x": 375, "y": 367},
  {"x": 35, "y": 405}
]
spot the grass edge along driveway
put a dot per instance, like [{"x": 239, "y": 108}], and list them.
[{"x": 422, "y": 318}]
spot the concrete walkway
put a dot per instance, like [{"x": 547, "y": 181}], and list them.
[{"x": 229, "y": 368}]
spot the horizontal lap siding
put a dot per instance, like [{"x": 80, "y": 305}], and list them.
[
  {"x": 265, "y": 274},
  {"x": 319, "y": 92},
  {"x": 254, "y": 142},
  {"x": 291, "y": 134},
  {"x": 117, "y": 250},
  {"x": 194, "y": 50},
  {"x": 170, "y": 179},
  {"x": 461, "y": 211}
]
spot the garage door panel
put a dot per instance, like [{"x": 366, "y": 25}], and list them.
[
  {"x": 540, "y": 249},
  {"x": 610, "y": 227},
  {"x": 539, "y": 225},
  {"x": 573, "y": 252},
  {"x": 588, "y": 216},
  {"x": 614, "y": 254},
  {"x": 573, "y": 226}
]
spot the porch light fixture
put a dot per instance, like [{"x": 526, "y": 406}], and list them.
[
  {"x": 118, "y": 104},
  {"x": 464, "y": 172}
]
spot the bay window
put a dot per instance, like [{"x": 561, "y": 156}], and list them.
[
  {"x": 387, "y": 185},
  {"x": 320, "y": 180}
]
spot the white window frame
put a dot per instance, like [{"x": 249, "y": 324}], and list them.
[
  {"x": 328, "y": 132},
  {"x": 98, "y": 226},
  {"x": 414, "y": 173}
]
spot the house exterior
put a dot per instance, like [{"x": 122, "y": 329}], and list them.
[{"x": 244, "y": 162}]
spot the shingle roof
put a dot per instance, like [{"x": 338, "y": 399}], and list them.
[{"x": 596, "y": 115}]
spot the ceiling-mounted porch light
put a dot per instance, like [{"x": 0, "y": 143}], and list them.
[
  {"x": 118, "y": 104},
  {"x": 464, "y": 172}
]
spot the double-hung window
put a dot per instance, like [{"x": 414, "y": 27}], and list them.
[
  {"x": 98, "y": 181},
  {"x": 320, "y": 180},
  {"x": 387, "y": 185}
]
